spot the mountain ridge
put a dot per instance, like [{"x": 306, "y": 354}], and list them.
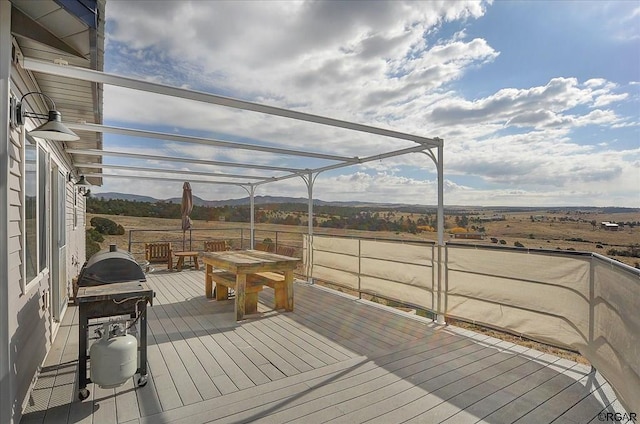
[
  {"x": 258, "y": 200},
  {"x": 263, "y": 200}
]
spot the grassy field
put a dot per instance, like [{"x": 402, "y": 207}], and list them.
[
  {"x": 557, "y": 231},
  {"x": 147, "y": 230},
  {"x": 536, "y": 230}
]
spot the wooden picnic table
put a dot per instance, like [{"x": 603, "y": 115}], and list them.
[{"x": 244, "y": 271}]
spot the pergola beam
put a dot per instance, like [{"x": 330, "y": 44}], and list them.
[
  {"x": 205, "y": 141},
  {"x": 142, "y": 177},
  {"x": 413, "y": 149},
  {"x": 141, "y": 85},
  {"x": 422, "y": 143},
  {"x": 128, "y": 155},
  {"x": 169, "y": 171}
]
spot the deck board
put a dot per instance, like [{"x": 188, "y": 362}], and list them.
[{"x": 335, "y": 358}]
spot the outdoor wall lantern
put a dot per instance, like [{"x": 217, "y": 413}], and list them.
[
  {"x": 82, "y": 185},
  {"x": 53, "y": 129}
]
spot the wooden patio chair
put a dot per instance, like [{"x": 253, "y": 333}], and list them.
[
  {"x": 159, "y": 252},
  {"x": 216, "y": 246},
  {"x": 265, "y": 247},
  {"x": 286, "y": 251}
]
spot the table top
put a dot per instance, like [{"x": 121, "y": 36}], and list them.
[{"x": 247, "y": 261}]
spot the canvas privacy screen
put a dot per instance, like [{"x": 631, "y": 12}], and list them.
[
  {"x": 579, "y": 301},
  {"x": 397, "y": 271}
]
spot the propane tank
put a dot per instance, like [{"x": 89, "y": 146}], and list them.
[{"x": 114, "y": 359}]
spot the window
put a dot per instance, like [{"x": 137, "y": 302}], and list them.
[
  {"x": 35, "y": 209},
  {"x": 31, "y": 210},
  {"x": 43, "y": 173},
  {"x": 62, "y": 210},
  {"x": 75, "y": 208}
]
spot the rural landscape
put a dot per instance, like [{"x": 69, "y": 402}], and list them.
[
  {"x": 562, "y": 228},
  {"x": 136, "y": 222}
]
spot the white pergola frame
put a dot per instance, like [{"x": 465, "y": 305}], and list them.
[{"x": 248, "y": 183}]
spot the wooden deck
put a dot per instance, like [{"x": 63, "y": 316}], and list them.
[{"x": 334, "y": 359}]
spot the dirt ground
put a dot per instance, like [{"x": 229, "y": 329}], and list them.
[{"x": 563, "y": 231}]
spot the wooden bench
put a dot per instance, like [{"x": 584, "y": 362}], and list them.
[
  {"x": 159, "y": 252},
  {"x": 275, "y": 280},
  {"x": 227, "y": 280}
]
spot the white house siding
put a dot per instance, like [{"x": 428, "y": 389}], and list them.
[
  {"x": 75, "y": 232},
  {"x": 29, "y": 323},
  {"x": 75, "y": 236},
  {"x": 29, "y": 319}
]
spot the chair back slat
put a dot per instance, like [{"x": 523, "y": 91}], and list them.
[
  {"x": 216, "y": 246},
  {"x": 265, "y": 247},
  {"x": 285, "y": 251}
]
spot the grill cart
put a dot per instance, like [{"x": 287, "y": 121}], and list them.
[{"x": 112, "y": 284}]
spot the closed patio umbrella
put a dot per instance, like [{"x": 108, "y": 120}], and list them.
[{"x": 185, "y": 209}]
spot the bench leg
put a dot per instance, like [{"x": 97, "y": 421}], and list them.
[
  {"x": 280, "y": 295},
  {"x": 251, "y": 302},
  {"x": 195, "y": 260},
  {"x": 221, "y": 291},
  {"x": 288, "y": 283},
  {"x": 208, "y": 281},
  {"x": 241, "y": 284}
]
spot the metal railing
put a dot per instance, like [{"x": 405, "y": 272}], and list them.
[{"x": 194, "y": 238}]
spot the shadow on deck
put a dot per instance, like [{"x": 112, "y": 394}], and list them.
[{"x": 334, "y": 359}]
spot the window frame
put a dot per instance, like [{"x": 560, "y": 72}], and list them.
[{"x": 42, "y": 248}]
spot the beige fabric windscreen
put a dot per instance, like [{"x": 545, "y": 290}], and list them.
[
  {"x": 542, "y": 296},
  {"x": 584, "y": 302},
  {"x": 614, "y": 345},
  {"x": 397, "y": 271}
]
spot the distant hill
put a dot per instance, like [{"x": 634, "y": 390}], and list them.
[
  {"x": 259, "y": 200},
  {"x": 124, "y": 196},
  {"x": 455, "y": 209}
]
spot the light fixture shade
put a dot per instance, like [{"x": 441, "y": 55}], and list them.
[
  {"x": 82, "y": 182},
  {"x": 54, "y": 129}
]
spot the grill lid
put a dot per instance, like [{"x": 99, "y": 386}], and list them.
[{"x": 110, "y": 266}]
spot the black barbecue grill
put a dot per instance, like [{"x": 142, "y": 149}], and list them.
[
  {"x": 110, "y": 266},
  {"x": 111, "y": 283}
]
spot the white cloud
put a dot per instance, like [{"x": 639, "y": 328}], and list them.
[{"x": 376, "y": 65}]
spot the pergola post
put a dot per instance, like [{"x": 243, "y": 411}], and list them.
[
  {"x": 309, "y": 180},
  {"x": 252, "y": 192},
  {"x": 439, "y": 162},
  {"x": 440, "y": 317}
]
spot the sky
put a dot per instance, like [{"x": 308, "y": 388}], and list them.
[{"x": 538, "y": 102}]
